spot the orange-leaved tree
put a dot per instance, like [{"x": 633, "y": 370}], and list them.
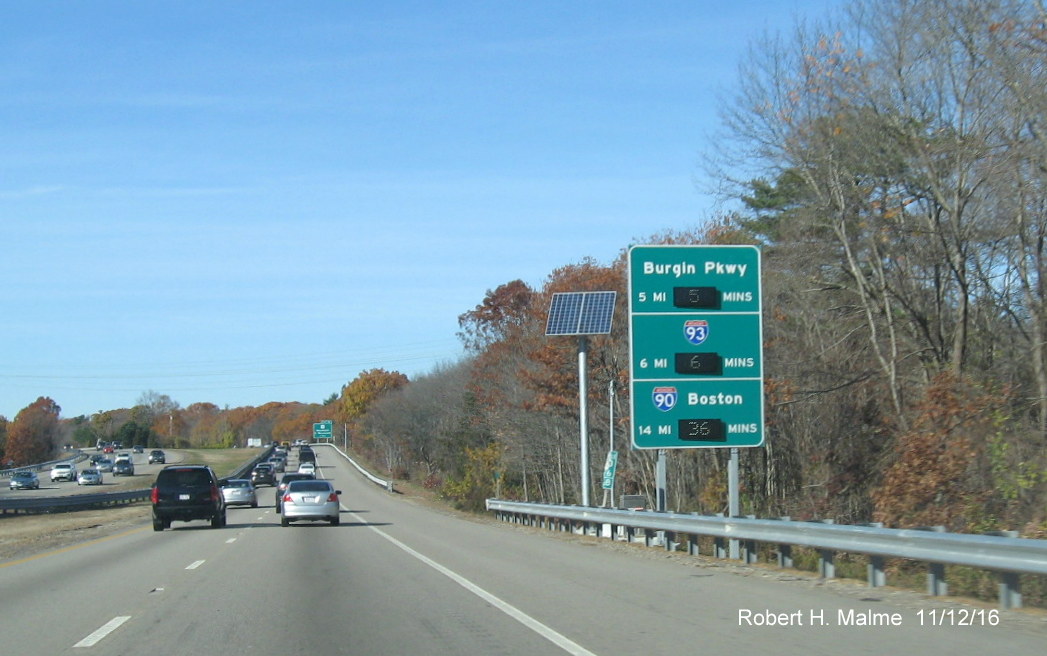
[
  {"x": 31, "y": 435},
  {"x": 358, "y": 395}
]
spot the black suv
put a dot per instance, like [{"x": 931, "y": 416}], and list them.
[{"x": 185, "y": 493}]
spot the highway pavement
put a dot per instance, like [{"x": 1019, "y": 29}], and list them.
[{"x": 398, "y": 577}]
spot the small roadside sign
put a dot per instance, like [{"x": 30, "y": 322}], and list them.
[{"x": 609, "y": 468}]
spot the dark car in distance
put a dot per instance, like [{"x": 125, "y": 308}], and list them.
[
  {"x": 186, "y": 493},
  {"x": 263, "y": 474},
  {"x": 281, "y": 487}
]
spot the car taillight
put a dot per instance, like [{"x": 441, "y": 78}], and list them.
[
  {"x": 216, "y": 494},
  {"x": 287, "y": 497},
  {"x": 154, "y": 496},
  {"x": 333, "y": 497}
]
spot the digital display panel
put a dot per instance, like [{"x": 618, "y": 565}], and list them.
[
  {"x": 696, "y": 297},
  {"x": 702, "y": 430}
]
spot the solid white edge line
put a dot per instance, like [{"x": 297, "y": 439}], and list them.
[
  {"x": 106, "y": 629},
  {"x": 558, "y": 639}
]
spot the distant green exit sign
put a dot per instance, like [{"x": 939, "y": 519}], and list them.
[
  {"x": 323, "y": 430},
  {"x": 696, "y": 346}
]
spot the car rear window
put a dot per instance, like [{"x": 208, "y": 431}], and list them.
[
  {"x": 185, "y": 477},
  {"x": 309, "y": 486}
]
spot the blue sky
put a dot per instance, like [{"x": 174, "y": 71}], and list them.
[{"x": 244, "y": 202}]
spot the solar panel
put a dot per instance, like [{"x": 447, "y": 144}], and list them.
[{"x": 580, "y": 313}]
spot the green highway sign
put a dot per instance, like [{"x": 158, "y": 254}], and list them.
[
  {"x": 323, "y": 430},
  {"x": 696, "y": 346}
]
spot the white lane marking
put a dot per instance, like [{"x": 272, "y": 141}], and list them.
[
  {"x": 230, "y": 540},
  {"x": 558, "y": 639},
  {"x": 195, "y": 565},
  {"x": 106, "y": 629}
]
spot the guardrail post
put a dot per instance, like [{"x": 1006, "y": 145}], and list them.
[
  {"x": 936, "y": 583},
  {"x": 1010, "y": 590},
  {"x": 669, "y": 540},
  {"x": 826, "y": 557},
  {"x": 785, "y": 551},
  {"x": 750, "y": 554},
  {"x": 1010, "y": 585},
  {"x": 826, "y": 564},
  {"x": 720, "y": 548},
  {"x": 875, "y": 573},
  {"x": 937, "y": 586},
  {"x": 692, "y": 541}
]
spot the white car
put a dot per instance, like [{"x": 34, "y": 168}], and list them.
[
  {"x": 307, "y": 468},
  {"x": 63, "y": 471}
]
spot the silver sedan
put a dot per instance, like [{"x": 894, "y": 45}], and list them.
[
  {"x": 240, "y": 492},
  {"x": 310, "y": 500},
  {"x": 89, "y": 477},
  {"x": 24, "y": 480}
]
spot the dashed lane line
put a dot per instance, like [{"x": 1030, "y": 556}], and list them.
[{"x": 103, "y": 631}]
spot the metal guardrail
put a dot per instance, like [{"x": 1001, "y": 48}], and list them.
[
  {"x": 388, "y": 485},
  {"x": 40, "y": 505},
  {"x": 1006, "y": 555}
]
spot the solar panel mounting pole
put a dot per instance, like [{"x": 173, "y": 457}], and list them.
[
  {"x": 581, "y": 314},
  {"x": 583, "y": 428}
]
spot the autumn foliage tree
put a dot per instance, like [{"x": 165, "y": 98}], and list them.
[
  {"x": 3, "y": 439},
  {"x": 356, "y": 399},
  {"x": 31, "y": 435},
  {"x": 362, "y": 391}
]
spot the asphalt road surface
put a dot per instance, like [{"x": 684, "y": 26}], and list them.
[{"x": 397, "y": 577}]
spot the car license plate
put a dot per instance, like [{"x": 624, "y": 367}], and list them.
[
  {"x": 184, "y": 497},
  {"x": 310, "y": 499}
]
